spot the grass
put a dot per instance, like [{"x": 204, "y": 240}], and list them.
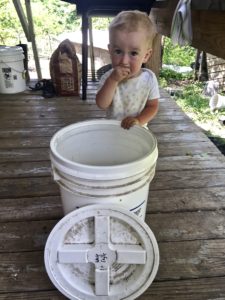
[{"x": 196, "y": 106}]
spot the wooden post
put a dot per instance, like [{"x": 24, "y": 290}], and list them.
[
  {"x": 197, "y": 64},
  {"x": 84, "y": 54},
  {"x": 28, "y": 29},
  {"x": 32, "y": 37},
  {"x": 155, "y": 61},
  {"x": 22, "y": 18},
  {"x": 203, "y": 72},
  {"x": 92, "y": 55}
]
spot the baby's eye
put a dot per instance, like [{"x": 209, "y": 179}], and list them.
[
  {"x": 134, "y": 53},
  {"x": 117, "y": 51}
]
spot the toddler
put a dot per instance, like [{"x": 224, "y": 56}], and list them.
[{"x": 129, "y": 92}]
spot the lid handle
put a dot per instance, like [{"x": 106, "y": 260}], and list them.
[{"x": 102, "y": 254}]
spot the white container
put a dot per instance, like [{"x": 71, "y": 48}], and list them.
[
  {"x": 98, "y": 162},
  {"x": 12, "y": 73},
  {"x": 217, "y": 101}
]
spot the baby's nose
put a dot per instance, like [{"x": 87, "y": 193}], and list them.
[{"x": 125, "y": 60}]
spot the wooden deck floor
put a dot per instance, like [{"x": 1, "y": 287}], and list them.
[{"x": 186, "y": 208}]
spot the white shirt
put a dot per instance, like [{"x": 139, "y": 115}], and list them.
[{"x": 131, "y": 95}]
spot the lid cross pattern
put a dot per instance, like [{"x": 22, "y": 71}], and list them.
[{"x": 101, "y": 252}]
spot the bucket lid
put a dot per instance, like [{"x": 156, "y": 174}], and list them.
[
  {"x": 101, "y": 252},
  {"x": 8, "y": 51}
]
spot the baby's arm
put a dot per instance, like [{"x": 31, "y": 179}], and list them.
[
  {"x": 147, "y": 114},
  {"x": 105, "y": 95}
]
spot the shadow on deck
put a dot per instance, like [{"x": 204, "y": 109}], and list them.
[{"x": 185, "y": 208}]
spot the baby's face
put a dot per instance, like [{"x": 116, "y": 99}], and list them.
[{"x": 129, "y": 49}]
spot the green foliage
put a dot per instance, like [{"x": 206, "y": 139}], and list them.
[
  {"x": 163, "y": 82},
  {"x": 192, "y": 99},
  {"x": 53, "y": 16},
  {"x": 101, "y": 23},
  {"x": 49, "y": 17},
  {"x": 197, "y": 107},
  {"x": 193, "y": 102},
  {"x": 170, "y": 74},
  {"x": 167, "y": 76},
  {"x": 10, "y": 27},
  {"x": 176, "y": 55}
]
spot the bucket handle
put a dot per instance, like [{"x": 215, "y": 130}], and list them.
[
  {"x": 55, "y": 174},
  {"x": 8, "y": 66}
]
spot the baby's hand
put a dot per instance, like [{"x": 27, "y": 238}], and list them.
[
  {"x": 129, "y": 122},
  {"x": 120, "y": 73}
]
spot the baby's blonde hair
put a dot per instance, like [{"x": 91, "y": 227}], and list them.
[{"x": 133, "y": 20}]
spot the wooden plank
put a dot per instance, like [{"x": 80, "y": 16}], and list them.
[
  {"x": 174, "y": 163},
  {"x": 50, "y": 129},
  {"x": 25, "y": 169},
  {"x": 205, "y": 148},
  {"x": 173, "y": 127},
  {"x": 179, "y": 260},
  {"x": 163, "y": 17},
  {"x": 58, "y": 114},
  {"x": 207, "y": 38},
  {"x": 28, "y": 187},
  {"x": 28, "y": 154},
  {"x": 188, "y": 179},
  {"x": 12, "y": 110},
  {"x": 170, "y": 119},
  {"x": 41, "y": 207},
  {"x": 195, "y": 289},
  {"x": 184, "y": 200},
  {"x": 9, "y": 114},
  {"x": 192, "y": 259},
  {"x": 37, "y": 100},
  {"x": 25, "y": 236},
  {"x": 188, "y": 150},
  {"x": 167, "y": 227},
  {"x": 30, "y": 209},
  {"x": 186, "y": 226},
  {"x": 212, "y": 39},
  {"x": 31, "y": 100},
  {"x": 26, "y": 132},
  {"x": 66, "y": 105},
  {"x": 61, "y": 121},
  {"x": 42, "y": 295},
  {"x": 29, "y": 142},
  {"x": 44, "y": 186},
  {"x": 70, "y": 110},
  {"x": 23, "y": 271},
  {"x": 176, "y": 137},
  {"x": 192, "y": 289},
  {"x": 195, "y": 162},
  {"x": 43, "y": 141}
]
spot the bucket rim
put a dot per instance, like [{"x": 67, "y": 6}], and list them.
[
  {"x": 83, "y": 170},
  {"x": 10, "y": 50}
]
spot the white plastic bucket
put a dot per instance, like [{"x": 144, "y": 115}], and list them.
[
  {"x": 12, "y": 73},
  {"x": 97, "y": 162}
]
